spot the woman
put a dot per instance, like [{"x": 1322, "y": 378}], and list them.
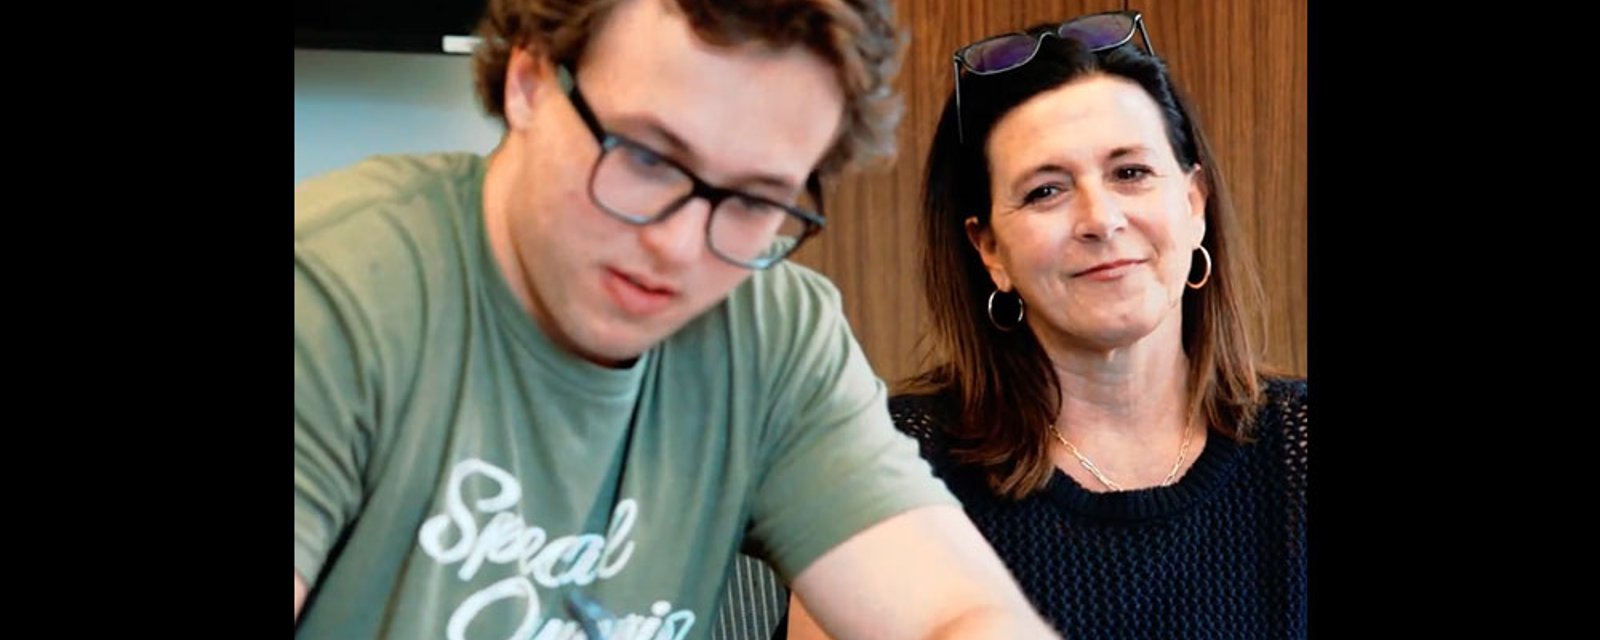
[{"x": 1099, "y": 408}]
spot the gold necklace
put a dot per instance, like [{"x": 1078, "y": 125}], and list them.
[{"x": 1183, "y": 450}]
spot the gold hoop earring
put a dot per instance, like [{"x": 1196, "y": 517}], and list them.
[
  {"x": 1021, "y": 311},
  {"x": 1207, "y": 277}
]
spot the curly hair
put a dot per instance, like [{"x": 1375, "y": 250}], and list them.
[{"x": 857, "y": 37}]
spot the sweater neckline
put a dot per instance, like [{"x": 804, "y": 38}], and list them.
[{"x": 1211, "y": 469}]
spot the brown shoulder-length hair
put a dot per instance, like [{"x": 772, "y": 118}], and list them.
[
  {"x": 858, "y": 37},
  {"x": 1003, "y": 382}
]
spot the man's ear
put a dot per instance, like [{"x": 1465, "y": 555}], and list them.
[{"x": 527, "y": 74}]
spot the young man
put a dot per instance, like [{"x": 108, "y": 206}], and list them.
[{"x": 557, "y": 389}]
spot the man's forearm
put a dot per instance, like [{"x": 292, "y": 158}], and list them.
[{"x": 997, "y": 623}]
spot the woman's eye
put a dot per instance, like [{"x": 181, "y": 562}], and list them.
[
  {"x": 1040, "y": 193},
  {"x": 1133, "y": 173}
]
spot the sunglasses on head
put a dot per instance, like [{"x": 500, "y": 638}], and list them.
[{"x": 1002, "y": 53}]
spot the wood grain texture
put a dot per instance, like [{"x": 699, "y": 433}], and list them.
[{"x": 1242, "y": 63}]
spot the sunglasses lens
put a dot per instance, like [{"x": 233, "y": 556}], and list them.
[
  {"x": 999, "y": 54},
  {"x": 1099, "y": 32}
]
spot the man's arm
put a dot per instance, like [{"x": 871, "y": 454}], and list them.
[
  {"x": 299, "y": 595},
  {"x": 335, "y": 409},
  {"x": 800, "y": 623},
  {"x": 926, "y": 573}
]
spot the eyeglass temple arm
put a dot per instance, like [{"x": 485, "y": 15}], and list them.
[
  {"x": 814, "y": 187},
  {"x": 1146, "y": 36},
  {"x": 955, "y": 67}
]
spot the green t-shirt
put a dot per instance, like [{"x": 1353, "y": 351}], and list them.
[{"x": 456, "y": 473}]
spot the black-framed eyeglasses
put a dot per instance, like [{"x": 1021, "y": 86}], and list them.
[
  {"x": 636, "y": 185},
  {"x": 1002, "y": 53}
]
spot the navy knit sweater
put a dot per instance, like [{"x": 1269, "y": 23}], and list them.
[{"x": 1219, "y": 554}]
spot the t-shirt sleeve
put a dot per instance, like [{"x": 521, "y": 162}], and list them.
[
  {"x": 333, "y": 413},
  {"x": 838, "y": 465}
]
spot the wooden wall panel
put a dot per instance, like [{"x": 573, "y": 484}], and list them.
[{"x": 1242, "y": 63}]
